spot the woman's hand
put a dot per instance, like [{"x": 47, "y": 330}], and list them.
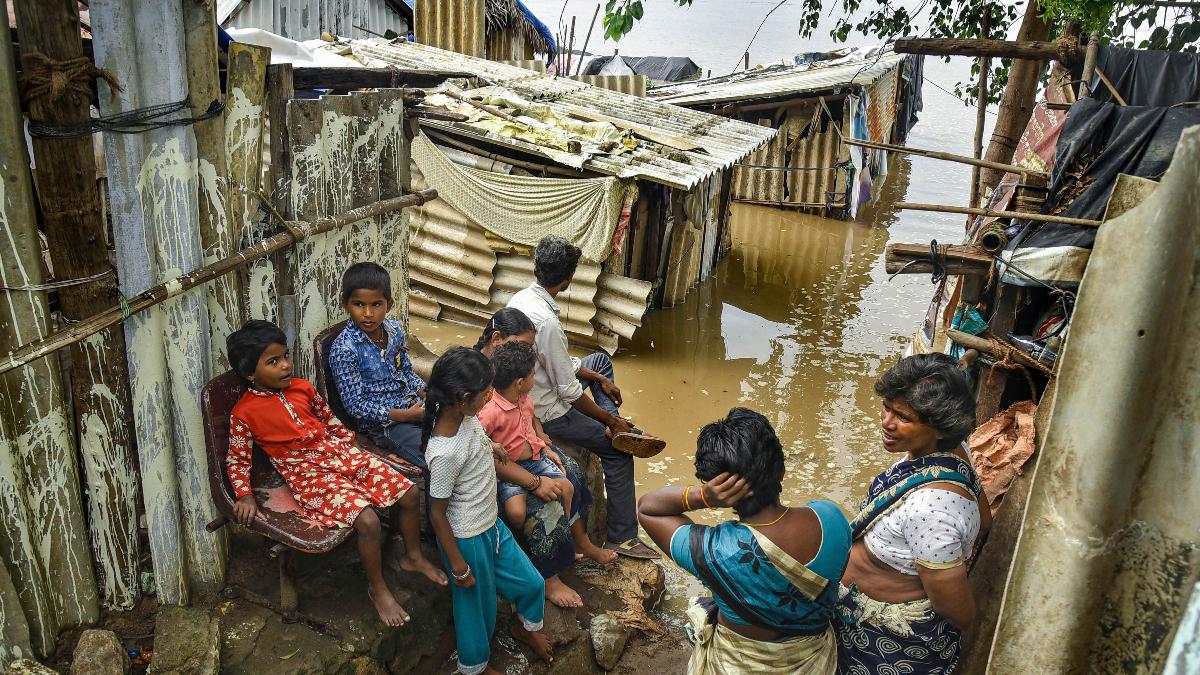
[
  {"x": 245, "y": 510},
  {"x": 725, "y": 490}
]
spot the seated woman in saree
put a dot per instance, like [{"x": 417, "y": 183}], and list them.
[
  {"x": 773, "y": 573},
  {"x": 551, "y": 536},
  {"x": 904, "y": 596}
]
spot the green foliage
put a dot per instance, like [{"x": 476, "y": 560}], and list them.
[{"x": 1118, "y": 21}]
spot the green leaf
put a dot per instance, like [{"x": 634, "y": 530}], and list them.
[
  {"x": 628, "y": 26},
  {"x": 608, "y": 9},
  {"x": 285, "y": 658},
  {"x": 636, "y": 9}
]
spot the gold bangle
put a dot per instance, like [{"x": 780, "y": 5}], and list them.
[
  {"x": 704, "y": 499},
  {"x": 686, "y": 505}
]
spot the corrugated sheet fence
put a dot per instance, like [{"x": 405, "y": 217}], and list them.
[{"x": 455, "y": 25}]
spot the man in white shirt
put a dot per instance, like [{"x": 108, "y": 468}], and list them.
[{"x": 565, "y": 412}]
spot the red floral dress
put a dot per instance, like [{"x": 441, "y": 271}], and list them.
[{"x": 331, "y": 478}]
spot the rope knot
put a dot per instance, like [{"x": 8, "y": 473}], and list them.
[{"x": 45, "y": 78}]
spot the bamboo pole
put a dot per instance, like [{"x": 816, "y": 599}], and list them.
[
  {"x": 946, "y": 156},
  {"x": 1111, "y": 89},
  {"x": 587, "y": 38},
  {"x": 984, "y": 345},
  {"x": 1064, "y": 50},
  {"x": 985, "y": 63},
  {"x": 160, "y": 293},
  {"x": 990, "y": 213},
  {"x": 67, "y": 187},
  {"x": 571, "y": 46},
  {"x": 223, "y": 297},
  {"x": 28, "y": 616}
]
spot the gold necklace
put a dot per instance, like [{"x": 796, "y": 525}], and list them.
[{"x": 785, "y": 512}]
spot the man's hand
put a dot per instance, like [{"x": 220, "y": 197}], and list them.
[
  {"x": 245, "y": 511},
  {"x": 610, "y": 390},
  {"x": 618, "y": 425},
  {"x": 556, "y": 459},
  {"x": 499, "y": 453},
  {"x": 415, "y": 414}
]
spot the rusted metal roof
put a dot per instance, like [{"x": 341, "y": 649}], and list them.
[
  {"x": 456, "y": 25},
  {"x": 715, "y": 142},
  {"x": 859, "y": 68}
]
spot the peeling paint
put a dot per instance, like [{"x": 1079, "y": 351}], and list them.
[{"x": 224, "y": 309}]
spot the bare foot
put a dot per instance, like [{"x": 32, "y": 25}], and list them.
[
  {"x": 390, "y": 611},
  {"x": 537, "y": 641},
  {"x": 601, "y": 555},
  {"x": 562, "y": 594},
  {"x": 419, "y": 563}
]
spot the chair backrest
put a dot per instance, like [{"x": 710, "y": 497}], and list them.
[
  {"x": 324, "y": 383},
  {"x": 216, "y": 402}
]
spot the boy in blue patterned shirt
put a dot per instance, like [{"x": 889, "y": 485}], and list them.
[{"x": 371, "y": 368}]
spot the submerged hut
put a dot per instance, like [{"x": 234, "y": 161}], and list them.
[
  {"x": 815, "y": 104},
  {"x": 641, "y": 185}
]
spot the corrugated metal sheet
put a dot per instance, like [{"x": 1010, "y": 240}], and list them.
[
  {"x": 721, "y": 141},
  {"x": 306, "y": 19},
  {"x": 881, "y": 107},
  {"x": 634, "y": 85},
  {"x": 455, "y": 25},
  {"x": 536, "y": 65},
  {"x": 780, "y": 81},
  {"x": 813, "y": 156},
  {"x": 452, "y": 266}
]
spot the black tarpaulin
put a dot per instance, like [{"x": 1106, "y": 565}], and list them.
[
  {"x": 1148, "y": 77},
  {"x": 658, "y": 68},
  {"x": 1101, "y": 139}
]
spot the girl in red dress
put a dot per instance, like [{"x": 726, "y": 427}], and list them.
[{"x": 334, "y": 482}]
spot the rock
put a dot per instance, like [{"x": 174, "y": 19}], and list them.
[
  {"x": 639, "y": 583},
  {"x": 28, "y": 667},
  {"x": 560, "y": 625},
  {"x": 99, "y": 652},
  {"x": 187, "y": 641},
  {"x": 239, "y": 634},
  {"x": 572, "y": 659},
  {"x": 609, "y": 635},
  {"x": 364, "y": 665}
]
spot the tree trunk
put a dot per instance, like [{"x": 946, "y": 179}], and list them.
[{"x": 1016, "y": 107}]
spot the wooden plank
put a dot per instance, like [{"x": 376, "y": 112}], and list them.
[
  {"x": 223, "y": 296},
  {"x": 394, "y": 180},
  {"x": 279, "y": 91},
  {"x": 993, "y": 382},
  {"x": 245, "y": 100},
  {"x": 958, "y": 259},
  {"x": 347, "y": 79}
]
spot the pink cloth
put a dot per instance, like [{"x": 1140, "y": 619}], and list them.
[{"x": 511, "y": 425}]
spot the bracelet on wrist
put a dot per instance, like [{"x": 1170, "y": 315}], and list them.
[
  {"x": 704, "y": 498},
  {"x": 686, "y": 505},
  {"x": 463, "y": 576},
  {"x": 537, "y": 483}
]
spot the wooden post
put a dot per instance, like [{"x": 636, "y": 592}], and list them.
[
  {"x": 1063, "y": 51},
  {"x": 587, "y": 38},
  {"x": 27, "y": 615},
  {"x": 571, "y": 46},
  {"x": 224, "y": 296},
  {"x": 245, "y": 100},
  {"x": 75, "y": 231},
  {"x": 1089, "y": 65},
  {"x": 990, "y": 392},
  {"x": 280, "y": 90},
  {"x": 985, "y": 63}
]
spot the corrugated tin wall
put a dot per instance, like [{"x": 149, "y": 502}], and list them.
[
  {"x": 306, "y": 19},
  {"x": 508, "y": 45},
  {"x": 536, "y": 65},
  {"x": 455, "y": 25},
  {"x": 881, "y": 106},
  {"x": 811, "y": 153},
  {"x": 634, "y": 85},
  {"x": 456, "y": 274}
]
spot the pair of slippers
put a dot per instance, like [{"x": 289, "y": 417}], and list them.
[{"x": 638, "y": 444}]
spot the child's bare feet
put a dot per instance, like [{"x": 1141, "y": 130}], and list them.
[
  {"x": 419, "y": 563},
  {"x": 390, "y": 611},
  {"x": 562, "y": 594},
  {"x": 537, "y": 641}
]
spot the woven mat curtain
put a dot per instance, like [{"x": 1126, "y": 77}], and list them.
[{"x": 523, "y": 209}]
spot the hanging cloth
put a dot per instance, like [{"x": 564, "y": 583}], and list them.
[{"x": 523, "y": 209}]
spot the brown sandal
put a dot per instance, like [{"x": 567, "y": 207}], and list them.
[{"x": 638, "y": 444}]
